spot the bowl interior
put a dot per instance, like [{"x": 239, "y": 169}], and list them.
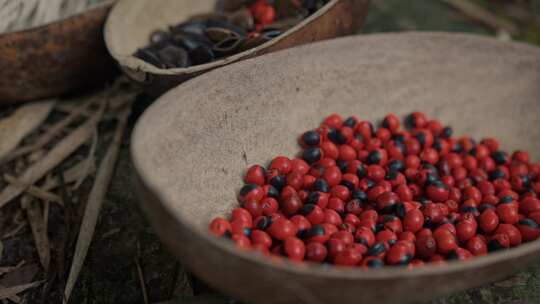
[{"x": 212, "y": 128}]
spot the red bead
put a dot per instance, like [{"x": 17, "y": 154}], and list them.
[
  {"x": 397, "y": 255},
  {"x": 508, "y": 213},
  {"x": 412, "y": 161},
  {"x": 417, "y": 120},
  {"x": 386, "y": 236},
  {"x": 242, "y": 214},
  {"x": 465, "y": 230},
  {"x": 348, "y": 257},
  {"x": 413, "y": 221},
  {"x": 332, "y": 217},
  {"x": 426, "y": 246},
  {"x": 477, "y": 246},
  {"x": 301, "y": 222},
  {"x": 340, "y": 192},
  {"x": 282, "y": 228},
  {"x": 407, "y": 236},
  {"x": 335, "y": 246},
  {"x": 391, "y": 122},
  {"x": 375, "y": 173},
  {"x": 345, "y": 236},
  {"x": 255, "y": 175},
  {"x": 529, "y": 205},
  {"x": 514, "y": 236},
  {"x": 365, "y": 236},
  {"x": 250, "y": 192},
  {"x": 261, "y": 237},
  {"x": 351, "y": 219},
  {"x": 446, "y": 241},
  {"x": 489, "y": 220},
  {"x": 333, "y": 121},
  {"x": 332, "y": 175},
  {"x": 316, "y": 252},
  {"x": 241, "y": 241},
  {"x": 329, "y": 150},
  {"x": 294, "y": 248},
  {"x": 336, "y": 204},
  {"x": 529, "y": 228},
  {"x": 291, "y": 205},
  {"x": 313, "y": 213},
  {"x": 220, "y": 226},
  {"x": 295, "y": 180},
  {"x": 437, "y": 193},
  {"x": 282, "y": 164}
]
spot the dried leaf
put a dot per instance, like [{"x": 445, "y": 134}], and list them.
[
  {"x": 21, "y": 123},
  {"x": 7, "y": 292},
  {"x": 61, "y": 151},
  {"x": 39, "y": 230},
  {"x": 93, "y": 207}
]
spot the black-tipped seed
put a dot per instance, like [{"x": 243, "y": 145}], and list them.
[
  {"x": 336, "y": 137},
  {"x": 529, "y": 222},
  {"x": 376, "y": 249},
  {"x": 506, "y": 199},
  {"x": 278, "y": 181},
  {"x": 350, "y": 122},
  {"x": 447, "y": 132},
  {"x": 321, "y": 185},
  {"x": 360, "y": 195},
  {"x": 484, "y": 207},
  {"x": 342, "y": 165},
  {"x": 375, "y": 263},
  {"x": 311, "y": 155},
  {"x": 311, "y": 138},
  {"x": 396, "y": 165},
  {"x": 246, "y": 189},
  {"x": 499, "y": 157},
  {"x": 306, "y": 209},
  {"x": 471, "y": 209},
  {"x": 374, "y": 157}
]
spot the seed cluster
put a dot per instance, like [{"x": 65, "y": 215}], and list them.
[
  {"x": 360, "y": 196},
  {"x": 208, "y": 37}
]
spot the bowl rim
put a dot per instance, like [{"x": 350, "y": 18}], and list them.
[
  {"x": 333, "y": 271},
  {"x": 93, "y": 8},
  {"x": 138, "y": 65}
]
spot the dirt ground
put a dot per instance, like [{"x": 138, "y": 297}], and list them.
[{"x": 123, "y": 241}]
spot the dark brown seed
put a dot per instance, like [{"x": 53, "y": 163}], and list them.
[
  {"x": 174, "y": 57},
  {"x": 150, "y": 57}
]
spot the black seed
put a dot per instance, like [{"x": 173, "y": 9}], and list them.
[
  {"x": 272, "y": 192},
  {"x": 421, "y": 137},
  {"x": 247, "y": 189},
  {"x": 361, "y": 171},
  {"x": 423, "y": 200},
  {"x": 370, "y": 183},
  {"x": 342, "y": 165},
  {"x": 321, "y": 185},
  {"x": 311, "y": 155},
  {"x": 312, "y": 198},
  {"x": 389, "y": 209},
  {"x": 506, "y": 199},
  {"x": 350, "y": 122},
  {"x": 396, "y": 165},
  {"x": 247, "y": 231},
  {"x": 447, "y": 132},
  {"x": 306, "y": 209},
  {"x": 453, "y": 255},
  {"x": 457, "y": 148},
  {"x": 529, "y": 222},
  {"x": 437, "y": 144},
  {"x": 374, "y": 157},
  {"x": 398, "y": 138},
  {"x": 359, "y": 195},
  {"x": 410, "y": 122},
  {"x": 376, "y": 249},
  {"x": 314, "y": 231},
  {"x": 465, "y": 209},
  {"x": 526, "y": 180},
  {"x": 150, "y": 57},
  {"x": 391, "y": 175},
  {"x": 400, "y": 210},
  {"x": 375, "y": 263},
  {"x": 227, "y": 234},
  {"x": 378, "y": 227},
  {"x": 494, "y": 245},
  {"x": 499, "y": 157},
  {"x": 484, "y": 207},
  {"x": 432, "y": 179},
  {"x": 496, "y": 174},
  {"x": 311, "y": 138},
  {"x": 278, "y": 181},
  {"x": 362, "y": 241},
  {"x": 264, "y": 223},
  {"x": 336, "y": 137},
  {"x": 347, "y": 184}
]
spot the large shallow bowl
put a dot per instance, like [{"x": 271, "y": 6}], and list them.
[
  {"x": 191, "y": 147},
  {"x": 131, "y": 22},
  {"x": 55, "y": 58}
]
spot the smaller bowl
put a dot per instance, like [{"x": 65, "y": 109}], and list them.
[
  {"x": 55, "y": 58},
  {"x": 131, "y": 22}
]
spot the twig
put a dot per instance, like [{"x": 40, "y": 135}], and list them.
[
  {"x": 34, "y": 190},
  {"x": 49, "y": 134},
  {"x": 141, "y": 275},
  {"x": 21, "y": 123},
  {"x": 5, "y": 293},
  {"x": 91, "y": 160},
  {"x": 61, "y": 151},
  {"x": 72, "y": 174},
  {"x": 39, "y": 230},
  {"x": 478, "y": 13},
  {"x": 14, "y": 231},
  {"x": 95, "y": 201}
]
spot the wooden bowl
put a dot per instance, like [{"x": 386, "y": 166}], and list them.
[
  {"x": 131, "y": 21},
  {"x": 55, "y": 58},
  {"x": 189, "y": 156}
]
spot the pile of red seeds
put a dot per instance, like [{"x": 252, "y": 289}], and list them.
[{"x": 361, "y": 196}]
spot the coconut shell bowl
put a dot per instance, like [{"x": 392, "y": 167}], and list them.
[
  {"x": 132, "y": 21},
  {"x": 56, "y": 58},
  {"x": 191, "y": 148}
]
